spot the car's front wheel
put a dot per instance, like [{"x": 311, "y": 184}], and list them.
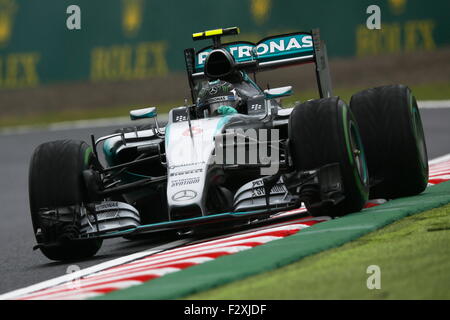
[
  {"x": 323, "y": 132},
  {"x": 55, "y": 181}
]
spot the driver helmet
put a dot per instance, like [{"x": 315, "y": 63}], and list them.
[{"x": 218, "y": 98}]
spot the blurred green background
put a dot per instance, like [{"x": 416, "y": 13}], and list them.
[{"x": 130, "y": 52}]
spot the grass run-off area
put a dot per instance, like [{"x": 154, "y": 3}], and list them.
[
  {"x": 413, "y": 255},
  {"x": 437, "y": 91}
]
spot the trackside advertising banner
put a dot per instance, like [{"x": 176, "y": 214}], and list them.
[
  {"x": 48, "y": 41},
  {"x": 269, "y": 49}
]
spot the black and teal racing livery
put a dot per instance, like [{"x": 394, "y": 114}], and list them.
[{"x": 187, "y": 177}]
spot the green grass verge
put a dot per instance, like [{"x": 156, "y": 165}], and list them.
[
  {"x": 437, "y": 91},
  {"x": 413, "y": 255}
]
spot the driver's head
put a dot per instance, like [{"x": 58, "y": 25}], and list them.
[{"x": 218, "y": 97}]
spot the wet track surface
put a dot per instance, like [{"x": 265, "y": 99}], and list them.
[{"x": 21, "y": 266}]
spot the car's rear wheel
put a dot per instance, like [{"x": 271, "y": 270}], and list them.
[
  {"x": 55, "y": 180},
  {"x": 322, "y": 132},
  {"x": 393, "y": 137}
]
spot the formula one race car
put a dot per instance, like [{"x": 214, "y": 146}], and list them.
[{"x": 233, "y": 156}]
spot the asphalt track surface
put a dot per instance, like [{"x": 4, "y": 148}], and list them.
[{"x": 20, "y": 266}]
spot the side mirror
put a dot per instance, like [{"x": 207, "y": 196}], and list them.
[
  {"x": 145, "y": 113},
  {"x": 277, "y": 93}
]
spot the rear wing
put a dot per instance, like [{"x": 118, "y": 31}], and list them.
[{"x": 268, "y": 54}]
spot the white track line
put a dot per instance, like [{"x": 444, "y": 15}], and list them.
[
  {"x": 434, "y": 104},
  {"x": 440, "y": 159},
  {"x": 77, "y": 274}
]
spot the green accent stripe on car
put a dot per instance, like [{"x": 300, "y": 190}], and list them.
[
  {"x": 137, "y": 175},
  {"x": 87, "y": 153},
  {"x": 107, "y": 151},
  {"x": 359, "y": 179},
  {"x": 167, "y": 135},
  {"x": 249, "y": 80},
  {"x": 347, "y": 135},
  {"x": 275, "y": 96}
]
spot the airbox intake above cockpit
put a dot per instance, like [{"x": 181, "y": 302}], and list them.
[{"x": 219, "y": 63}]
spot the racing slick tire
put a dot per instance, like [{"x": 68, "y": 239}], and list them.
[
  {"x": 325, "y": 131},
  {"x": 394, "y": 141},
  {"x": 55, "y": 180}
]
